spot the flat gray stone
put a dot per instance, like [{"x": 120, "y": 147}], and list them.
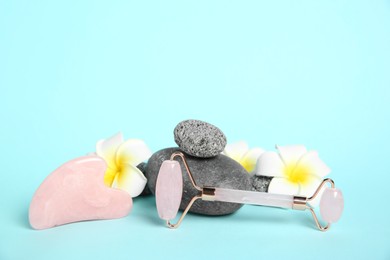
[
  {"x": 219, "y": 171},
  {"x": 199, "y": 139}
]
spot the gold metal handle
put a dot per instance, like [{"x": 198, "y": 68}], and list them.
[
  {"x": 181, "y": 155},
  {"x": 176, "y": 225},
  {"x": 319, "y": 226},
  {"x": 320, "y": 187}
]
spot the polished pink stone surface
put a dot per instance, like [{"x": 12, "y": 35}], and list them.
[
  {"x": 331, "y": 205},
  {"x": 169, "y": 188},
  {"x": 76, "y": 192}
]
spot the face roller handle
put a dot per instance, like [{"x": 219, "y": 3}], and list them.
[{"x": 252, "y": 197}]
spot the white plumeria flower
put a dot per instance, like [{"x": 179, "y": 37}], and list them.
[
  {"x": 241, "y": 153},
  {"x": 296, "y": 171},
  {"x": 122, "y": 159}
]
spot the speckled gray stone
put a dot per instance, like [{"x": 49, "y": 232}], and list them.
[
  {"x": 219, "y": 171},
  {"x": 260, "y": 183},
  {"x": 199, "y": 139}
]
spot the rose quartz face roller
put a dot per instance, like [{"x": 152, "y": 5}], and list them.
[{"x": 169, "y": 188}]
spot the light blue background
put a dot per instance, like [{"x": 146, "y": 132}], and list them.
[{"x": 269, "y": 72}]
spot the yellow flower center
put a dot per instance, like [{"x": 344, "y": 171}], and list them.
[
  {"x": 248, "y": 165},
  {"x": 110, "y": 176},
  {"x": 297, "y": 173},
  {"x": 114, "y": 171}
]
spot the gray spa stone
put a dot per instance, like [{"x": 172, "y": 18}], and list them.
[
  {"x": 219, "y": 171},
  {"x": 199, "y": 139}
]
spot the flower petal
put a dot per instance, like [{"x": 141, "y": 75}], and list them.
[
  {"x": 269, "y": 164},
  {"x": 308, "y": 189},
  {"x": 250, "y": 159},
  {"x": 316, "y": 165},
  {"x": 291, "y": 153},
  {"x": 236, "y": 150},
  {"x": 109, "y": 176},
  {"x": 133, "y": 151},
  {"x": 130, "y": 179},
  {"x": 107, "y": 148},
  {"x": 282, "y": 186}
]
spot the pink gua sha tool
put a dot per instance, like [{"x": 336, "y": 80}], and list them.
[
  {"x": 169, "y": 188},
  {"x": 76, "y": 192}
]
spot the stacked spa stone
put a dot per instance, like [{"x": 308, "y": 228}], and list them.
[{"x": 202, "y": 144}]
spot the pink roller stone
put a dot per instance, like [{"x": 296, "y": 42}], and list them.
[
  {"x": 331, "y": 205},
  {"x": 76, "y": 192},
  {"x": 169, "y": 188}
]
